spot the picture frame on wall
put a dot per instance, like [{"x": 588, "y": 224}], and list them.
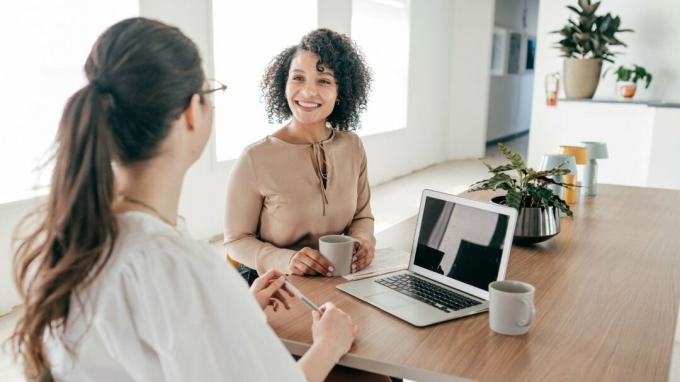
[
  {"x": 531, "y": 53},
  {"x": 498, "y": 51}
]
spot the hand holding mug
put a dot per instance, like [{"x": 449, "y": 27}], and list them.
[
  {"x": 339, "y": 250},
  {"x": 363, "y": 255},
  {"x": 308, "y": 261}
]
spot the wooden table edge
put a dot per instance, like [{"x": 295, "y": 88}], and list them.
[{"x": 298, "y": 348}]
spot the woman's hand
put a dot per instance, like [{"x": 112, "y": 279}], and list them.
[
  {"x": 333, "y": 329},
  {"x": 268, "y": 289},
  {"x": 308, "y": 261},
  {"x": 363, "y": 256}
]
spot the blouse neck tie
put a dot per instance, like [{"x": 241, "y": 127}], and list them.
[{"x": 318, "y": 156}]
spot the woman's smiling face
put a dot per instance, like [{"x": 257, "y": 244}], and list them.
[{"x": 311, "y": 89}]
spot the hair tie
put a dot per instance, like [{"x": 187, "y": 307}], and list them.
[{"x": 101, "y": 86}]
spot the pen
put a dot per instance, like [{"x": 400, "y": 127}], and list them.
[{"x": 296, "y": 292}]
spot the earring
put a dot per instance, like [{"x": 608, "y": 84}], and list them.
[{"x": 337, "y": 101}]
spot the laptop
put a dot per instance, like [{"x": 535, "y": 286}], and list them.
[{"x": 460, "y": 246}]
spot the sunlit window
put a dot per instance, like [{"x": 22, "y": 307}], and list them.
[
  {"x": 246, "y": 36},
  {"x": 381, "y": 29},
  {"x": 44, "y": 45}
]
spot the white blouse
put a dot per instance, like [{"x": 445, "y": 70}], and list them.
[{"x": 167, "y": 308}]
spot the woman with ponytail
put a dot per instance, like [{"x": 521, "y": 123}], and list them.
[{"x": 113, "y": 286}]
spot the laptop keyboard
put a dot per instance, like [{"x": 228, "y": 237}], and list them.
[{"x": 440, "y": 298}]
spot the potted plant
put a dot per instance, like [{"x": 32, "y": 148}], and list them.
[
  {"x": 539, "y": 208},
  {"x": 627, "y": 79},
  {"x": 584, "y": 45}
]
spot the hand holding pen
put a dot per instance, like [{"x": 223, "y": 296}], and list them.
[
  {"x": 332, "y": 326},
  {"x": 269, "y": 291},
  {"x": 296, "y": 292}
]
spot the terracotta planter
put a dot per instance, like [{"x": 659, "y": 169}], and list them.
[
  {"x": 626, "y": 89},
  {"x": 581, "y": 77}
]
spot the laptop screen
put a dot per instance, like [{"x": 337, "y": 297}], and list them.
[{"x": 461, "y": 242}]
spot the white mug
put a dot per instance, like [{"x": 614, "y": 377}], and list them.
[
  {"x": 511, "y": 307},
  {"x": 338, "y": 249}
]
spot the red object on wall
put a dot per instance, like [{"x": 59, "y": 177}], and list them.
[{"x": 552, "y": 88}]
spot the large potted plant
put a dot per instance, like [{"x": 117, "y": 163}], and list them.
[
  {"x": 539, "y": 208},
  {"x": 584, "y": 45}
]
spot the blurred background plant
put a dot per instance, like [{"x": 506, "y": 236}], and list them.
[
  {"x": 634, "y": 74},
  {"x": 591, "y": 35}
]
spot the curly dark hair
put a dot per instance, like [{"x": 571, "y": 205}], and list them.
[{"x": 337, "y": 52}]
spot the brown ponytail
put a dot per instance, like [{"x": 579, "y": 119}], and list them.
[
  {"x": 142, "y": 74},
  {"x": 75, "y": 226}
]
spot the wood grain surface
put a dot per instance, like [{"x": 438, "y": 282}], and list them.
[{"x": 607, "y": 293}]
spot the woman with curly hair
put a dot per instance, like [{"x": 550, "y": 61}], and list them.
[{"x": 309, "y": 178}]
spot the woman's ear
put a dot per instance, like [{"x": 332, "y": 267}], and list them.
[{"x": 192, "y": 113}]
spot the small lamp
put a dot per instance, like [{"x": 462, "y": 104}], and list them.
[
  {"x": 551, "y": 161},
  {"x": 596, "y": 150},
  {"x": 580, "y": 154}
]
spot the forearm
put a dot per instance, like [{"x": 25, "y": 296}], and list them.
[
  {"x": 362, "y": 225},
  {"x": 362, "y": 228},
  {"x": 317, "y": 362},
  {"x": 259, "y": 255}
]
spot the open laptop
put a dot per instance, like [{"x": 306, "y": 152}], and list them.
[{"x": 460, "y": 246}]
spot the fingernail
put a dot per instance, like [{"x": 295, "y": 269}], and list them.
[
  {"x": 331, "y": 268},
  {"x": 329, "y": 274},
  {"x": 354, "y": 258}
]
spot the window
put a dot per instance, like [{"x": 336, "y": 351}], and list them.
[
  {"x": 246, "y": 36},
  {"x": 45, "y": 44},
  {"x": 381, "y": 29}
]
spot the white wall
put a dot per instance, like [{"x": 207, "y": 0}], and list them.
[
  {"x": 664, "y": 148},
  {"x": 654, "y": 45},
  {"x": 470, "y": 66},
  {"x": 510, "y": 94},
  {"x": 10, "y": 215},
  {"x": 440, "y": 106},
  {"x": 399, "y": 152}
]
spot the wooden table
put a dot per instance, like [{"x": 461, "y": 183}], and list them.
[{"x": 607, "y": 295}]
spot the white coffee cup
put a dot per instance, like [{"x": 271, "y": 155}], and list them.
[
  {"x": 338, "y": 249},
  {"x": 511, "y": 307}
]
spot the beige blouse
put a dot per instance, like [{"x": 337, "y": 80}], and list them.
[{"x": 277, "y": 202}]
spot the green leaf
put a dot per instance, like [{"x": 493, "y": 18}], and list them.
[
  {"x": 515, "y": 158},
  {"x": 488, "y": 166},
  {"x": 594, "y": 7},
  {"x": 500, "y": 180},
  {"x": 502, "y": 168},
  {"x": 514, "y": 199},
  {"x": 574, "y": 9}
]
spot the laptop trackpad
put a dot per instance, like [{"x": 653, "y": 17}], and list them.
[{"x": 390, "y": 300}]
